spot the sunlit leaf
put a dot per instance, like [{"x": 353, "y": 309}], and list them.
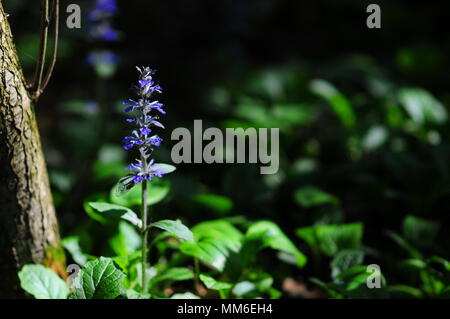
[
  {"x": 264, "y": 234},
  {"x": 117, "y": 212},
  {"x": 98, "y": 279},
  {"x": 341, "y": 105},
  {"x": 174, "y": 274},
  {"x": 213, "y": 284},
  {"x": 42, "y": 282},
  {"x": 176, "y": 228},
  {"x": 330, "y": 239},
  {"x": 215, "y": 242}
]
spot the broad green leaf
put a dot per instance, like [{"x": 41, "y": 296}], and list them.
[
  {"x": 116, "y": 211},
  {"x": 220, "y": 204},
  {"x": 72, "y": 245},
  {"x": 175, "y": 274},
  {"x": 98, "y": 279},
  {"x": 213, "y": 284},
  {"x": 330, "y": 239},
  {"x": 42, "y": 282},
  {"x": 174, "y": 227},
  {"x": 264, "y": 234},
  {"x": 310, "y": 196},
  {"x": 215, "y": 242},
  {"x": 157, "y": 191},
  {"x": 420, "y": 231},
  {"x": 341, "y": 105},
  {"x": 126, "y": 240}
]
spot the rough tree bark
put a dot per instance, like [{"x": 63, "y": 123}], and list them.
[{"x": 28, "y": 226}]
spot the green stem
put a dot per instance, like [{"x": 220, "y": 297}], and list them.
[
  {"x": 196, "y": 272},
  {"x": 222, "y": 294},
  {"x": 144, "y": 232}
]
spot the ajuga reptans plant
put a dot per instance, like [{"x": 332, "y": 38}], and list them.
[{"x": 145, "y": 112}]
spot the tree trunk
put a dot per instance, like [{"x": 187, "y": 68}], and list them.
[{"x": 28, "y": 226}]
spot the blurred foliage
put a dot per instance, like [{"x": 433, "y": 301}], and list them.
[{"x": 364, "y": 146}]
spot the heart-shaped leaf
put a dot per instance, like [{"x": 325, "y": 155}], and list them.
[
  {"x": 98, "y": 279},
  {"x": 42, "y": 282}
]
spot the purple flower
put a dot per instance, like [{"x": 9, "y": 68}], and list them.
[
  {"x": 103, "y": 9},
  {"x": 142, "y": 107},
  {"x": 155, "y": 140},
  {"x": 132, "y": 105},
  {"x": 145, "y": 130},
  {"x": 104, "y": 31},
  {"x": 157, "y": 106},
  {"x": 140, "y": 173},
  {"x": 130, "y": 141}
]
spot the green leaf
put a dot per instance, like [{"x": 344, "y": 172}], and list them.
[
  {"x": 243, "y": 288},
  {"x": 404, "y": 244},
  {"x": 126, "y": 240},
  {"x": 220, "y": 204},
  {"x": 72, "y": 245},
  {"x": 330, "y": 239},
  {"x": 175, "y": 274},
  {"x": 267, "y": 234},
  {"x": 185, "y": 295},
  {"x": 98, "y": 279},
  {"x": 374, "y": 138},
  {"x": 215, "y": 242},
  {"x": 116, "y": 212},
  {"x": 157, "y": 191},
  {"x": 341, "y": 105},
  {"x": 257, "y": 284},
  {"x": 176, "y": 228},
  {"x": 42, "y": 282},
  {"x": 310, "y": 196},
  {"x": 421, "y": 106},
  {"x": 352, "y": 283},
  {"x": 345, "y": 260},
  {"x": 133, "y": 294},
  {"x": 402, "y": 291},
  {"x": 420, "y": 231},
  {"x": 213, "y": 284}
]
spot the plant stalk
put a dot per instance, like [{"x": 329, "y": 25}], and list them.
[
  {"x": 144, "y": 230},
  {"x": 196, "y": 273}
]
